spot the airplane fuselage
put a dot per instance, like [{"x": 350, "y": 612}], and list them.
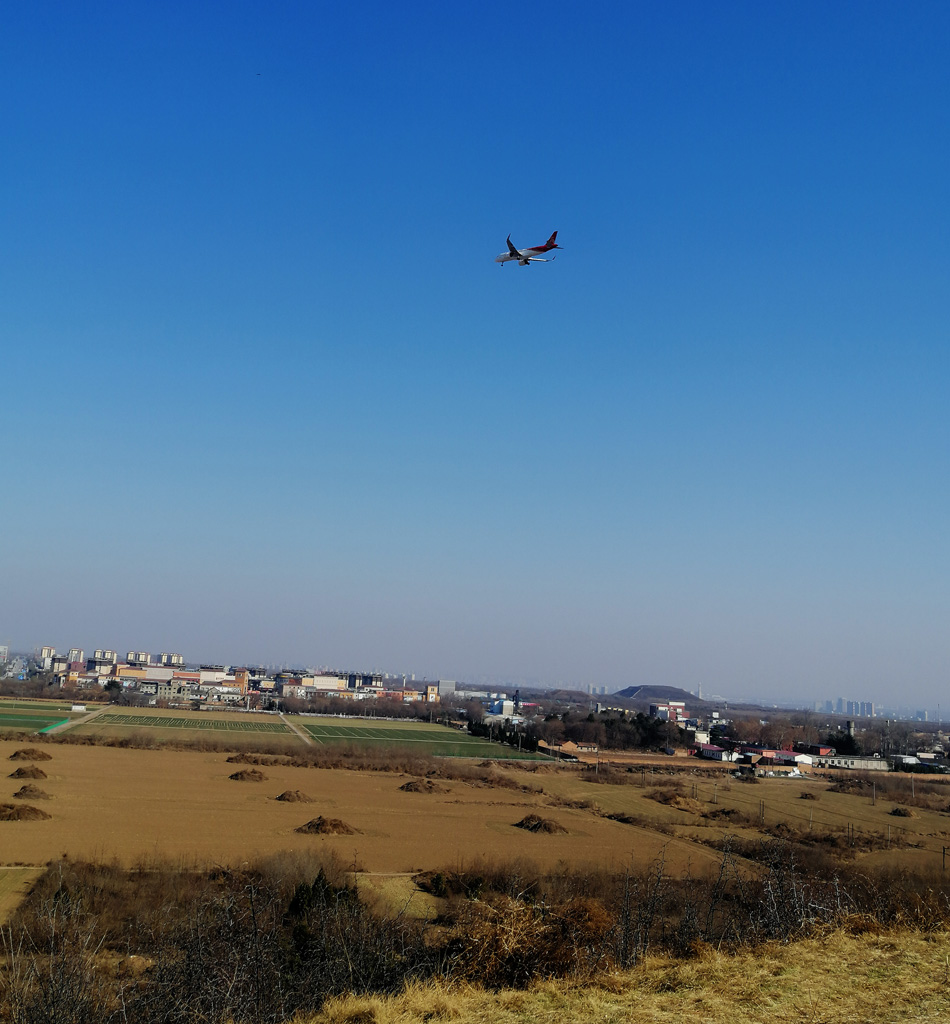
[
  {"x": 523, "y": 256},
  {"x": 526, "y": 256}
]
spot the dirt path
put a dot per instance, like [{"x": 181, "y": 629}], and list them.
[
  {"x": 296, "y": 728},
  {"x": 77, "y": 721}
]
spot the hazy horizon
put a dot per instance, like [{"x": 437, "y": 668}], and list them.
[{"x": 269, "y": 398}]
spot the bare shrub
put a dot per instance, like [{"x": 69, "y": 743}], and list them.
[
  {"x": 535, "y": 823},
  {"x": 732, "y": 815},
  {"x": 28, "y": 773},
  {"x": 675, "y": 796},
  {"x": 423, "y": 786},
  {"x": 248, "y": 775}
]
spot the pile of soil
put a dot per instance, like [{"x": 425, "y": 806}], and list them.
[
  {"x": 535, "y": 823},
  {"x": 29, "y": 792},
  {"x": 248, "y": 775},
  {"x": 28, "y": 773},
  {"x": 903, "y": 812},
  {"x": 21, "y": 812},
  {"x": 30, "y": 754},
  {"x": 807, "y": 796},
  {"x": 294, "y": 796},
  {"x": 327, "y": 827},
  {"x": 422, "y": 786}
]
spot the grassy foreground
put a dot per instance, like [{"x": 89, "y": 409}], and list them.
[{"x": 838, "y": 978}]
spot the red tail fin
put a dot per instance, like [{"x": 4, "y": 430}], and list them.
[{"x": 552, "y": 240}]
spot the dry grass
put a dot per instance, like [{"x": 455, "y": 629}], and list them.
[
  {"x": 15, "y": 882},
  {"x": 835, "y": 979}
]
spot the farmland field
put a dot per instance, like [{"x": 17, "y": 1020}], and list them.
[
  {"x": 246, "y": 728},
  {"x": 170, "y": 726},
  {"x": 33, "y": 716},
  {"x": 133, "y": 805},
  {"x": 235, "y": 723},
  {"x": 420, "y": 737}
]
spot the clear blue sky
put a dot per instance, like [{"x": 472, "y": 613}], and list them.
[{"x": 268, "y": 398}]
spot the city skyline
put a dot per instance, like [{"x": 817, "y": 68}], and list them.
[{"x": 270, "y": 398}]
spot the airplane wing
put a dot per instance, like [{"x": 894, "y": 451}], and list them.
[{"x": 512, "y": 249}]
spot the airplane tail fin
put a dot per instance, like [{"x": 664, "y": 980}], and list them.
[{"x": 552, "y": 241}]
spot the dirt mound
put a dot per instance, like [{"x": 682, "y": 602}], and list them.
[
  {"x": 535, "y": 823},
  {"x": 21, "y": 812},
  {"x": 294, "y": 796},
  {"x": 422, "y": 786},
  {"x": 327, "y": 827},
  {"x": 30, "y": 754},
  {"x": 248, "y": 775},
  {"x": 29, "y": 792},
  {"x": 807, "y": 796},
  {"x": 28, "y": 773},
  {"x": 903, "y": 812}
]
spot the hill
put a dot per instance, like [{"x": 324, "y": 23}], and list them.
[{"x": 644, "y": 695}]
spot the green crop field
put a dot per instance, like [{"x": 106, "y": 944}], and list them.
[
  {"x": 238, "y": 723},
  {"x": 29, "y": 720},
  {"x": 41, "y": 707},
  {"x": 421, "y": 737}
]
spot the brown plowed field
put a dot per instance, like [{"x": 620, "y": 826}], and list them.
[{"x": 134, "y": 805}]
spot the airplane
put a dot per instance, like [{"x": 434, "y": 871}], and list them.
[{"x": 526, "y": 256}]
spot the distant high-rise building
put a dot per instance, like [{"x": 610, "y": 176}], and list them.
[
  {"x": 4, "y": 652},
  {"x": 101, "y": 655},
  {"x": 175, "y": 660},
  {"x": 76, "y": 654},
  {"x": 137, "y": 658}
]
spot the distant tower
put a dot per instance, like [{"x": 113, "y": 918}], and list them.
[{"x": 699, "y": 691}]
